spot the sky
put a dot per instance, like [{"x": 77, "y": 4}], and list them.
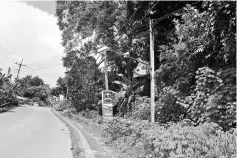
[{"x": 29, "y": 31}]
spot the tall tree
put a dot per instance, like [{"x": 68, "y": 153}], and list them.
[{"x": 197, "y": 65}]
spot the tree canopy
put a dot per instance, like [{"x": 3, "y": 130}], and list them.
[
  {"x": 34, "y": 88},
  {"x": 195, "y": 55}
]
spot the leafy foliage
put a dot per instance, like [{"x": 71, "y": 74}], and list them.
[
  {"x": 195, "y": 58},
  {"x": 7, "y": 92},
  {"x": 167, "y": 108},
  {"x": 141, "y": 139},
  {"x": 62, "y": 105},
  {"x": 141, "y": 110},
  {"x": 34, "y": 88},
  {"x": 61, "y": 87},
  {"x": 125, "y": 98},
  {"x": 84, "y": 81},
  {"x": 196, "y": 68}
]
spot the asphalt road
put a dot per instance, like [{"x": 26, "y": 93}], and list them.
[{"x": 33, "y": 132}]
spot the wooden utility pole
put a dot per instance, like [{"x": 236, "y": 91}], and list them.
[
  {"x": 67, "y": 93},
  {"x": 152, "y": 64},
  {"x": 9, "y": 71},
  {"x": 106, "y": 73},
  {"x": 103, "y": 53},
  {"x": 19, "y": 67}
]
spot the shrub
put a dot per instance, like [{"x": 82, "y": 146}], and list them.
[
  {"x": 69, "y": 111},
  {"x": 90, "y": 114},
  {"x": 142, "y": 139},
  {"x": 7, "y": 92},
  {"x": 93, "y": 115},
  {"x": 116, "y": 128},
  {"x": 167, "y": 109},
  {"x": 62, "y": 105},
  {"x": 141, "y": 109},
  {"x": 213, "y": 97}
]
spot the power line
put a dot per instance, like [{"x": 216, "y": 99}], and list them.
[
  {"x": 138, "y": 22},
  {"x": 35, "y": 64},
  {"x": 162, "y": 18},
  {"x": 159, "y": 19},
  {"x": 169, "y": 14},
  {"x": 127, "y": 22},
  {"x": 134, "y": 13},
  {"x": 6, "y": 56},
  {"x": 43, "y": 64},
  {"x": 43, "y": 67},
  {"x": 49, "y": 64},
  {"x": 39, "y": 64},
  {"x": 45, "y": 60},
  {"x": 5, "y": 50},
  {"x": 146, "y": 14}
]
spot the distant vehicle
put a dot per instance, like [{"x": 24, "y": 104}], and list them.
[
  {"x": 61, "y": 97},
  {"x": 20, "y": 99},
  {"x": 36, "y": 104}
]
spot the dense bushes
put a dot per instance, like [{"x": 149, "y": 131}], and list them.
[
  {"x": 35, "y": 89},
  {"x": 195, "y": 80},
  {"x": 68, "y": 109},
  {"x": 90, "y": 114},
  {"x": 195, "y": 66},
  {"x": 167, "y": 108},
  {"x": 142, "y": 139},
  {"x": 62, "y": 105},
  {"x": 7, "y": 92},
  {"x": 211, "y": 99},
  {"x": 141, "y": 109},
  {"x": 82, "y": 80}
]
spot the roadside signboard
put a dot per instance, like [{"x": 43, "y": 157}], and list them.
[{"x": 107, "y": 103}]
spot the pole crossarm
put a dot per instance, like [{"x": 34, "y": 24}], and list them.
[{"x": 20, "y": 64}]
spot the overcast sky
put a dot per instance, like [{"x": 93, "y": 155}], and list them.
[{"x": 29, "y": 31}]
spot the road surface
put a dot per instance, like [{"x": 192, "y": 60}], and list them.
[{"x": 33, "y": 132}]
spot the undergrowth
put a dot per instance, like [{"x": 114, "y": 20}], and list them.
[{"x": 142, "y": 139}]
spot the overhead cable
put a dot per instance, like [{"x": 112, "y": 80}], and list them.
[{"x": 44, "y": 67}]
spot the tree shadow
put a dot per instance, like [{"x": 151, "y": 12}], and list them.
[{"x": 8, "y": 109}]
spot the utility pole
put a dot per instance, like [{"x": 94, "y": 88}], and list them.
[
  {"x": 106, "y": 73},
  {"x": 19, "y": 67},
  {"x": 67, "y": 92},
  {"x": 103, "y": 53},
  {"x": 152, "y": 64},
  {"x": 9, "y": 71}
]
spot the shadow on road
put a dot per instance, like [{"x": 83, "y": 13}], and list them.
[{"x": 8, "y": 109}]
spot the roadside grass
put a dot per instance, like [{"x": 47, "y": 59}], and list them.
[{"x": 136, "y": 139}]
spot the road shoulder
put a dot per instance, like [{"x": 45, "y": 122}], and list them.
[{"x": 85, "y": 143}]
